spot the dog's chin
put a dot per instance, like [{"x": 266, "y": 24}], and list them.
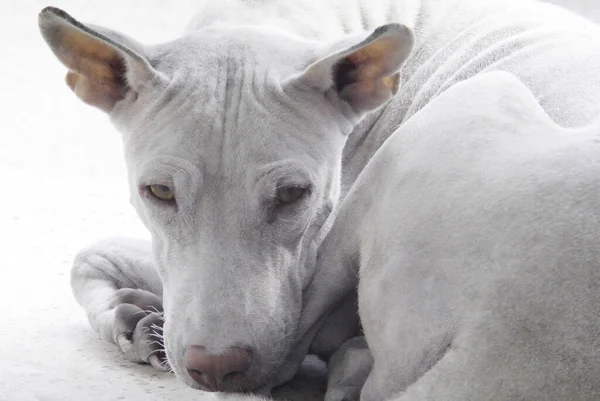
[
  {"x": 264, "y": 391},
  {"x": 247, "y": 387},
  {"x": 256, "y": 396},
  {"x": 251, "y": 383},
  {"x": 265, "y": 369}
]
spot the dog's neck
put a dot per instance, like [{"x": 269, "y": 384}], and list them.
[{"x": 311, "y": 19}]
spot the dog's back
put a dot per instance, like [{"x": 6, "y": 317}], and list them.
[{"x": 479, "y": 256}]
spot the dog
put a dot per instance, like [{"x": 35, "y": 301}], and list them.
[{"x": 243, "y": 135}]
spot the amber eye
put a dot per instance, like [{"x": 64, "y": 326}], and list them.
[
  {"x": 162, "y": 192},
  {"x": 290, "y": 194}
]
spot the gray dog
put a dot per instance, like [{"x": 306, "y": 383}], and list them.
[
  {"x": 242, "y": 136},
  {"x": 478, "y": 259}
]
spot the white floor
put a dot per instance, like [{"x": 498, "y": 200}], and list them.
[{"x": 62, "y": 185}]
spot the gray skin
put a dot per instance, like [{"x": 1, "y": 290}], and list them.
[
  {"x": 492, "y": 293},
  {"x": 264, "y": 101}
]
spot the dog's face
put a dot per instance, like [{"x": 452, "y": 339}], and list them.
[{"x": 233, "y": 140}]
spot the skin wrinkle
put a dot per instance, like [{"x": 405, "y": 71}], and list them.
[
  {"x": 239, "y": 91},
  {"x": 256, "y": 90},
  {"x": 223, "y": 135},
  {"x": 247, "y": 89}
]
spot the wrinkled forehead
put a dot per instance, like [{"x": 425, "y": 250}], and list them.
[
  {"x": 227, "y": 99},
  {"x": 211, "y": 47}
]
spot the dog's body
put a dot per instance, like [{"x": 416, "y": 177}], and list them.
[
  {"x": 478, "y": 259},
  {"x": 271, "y": 89}
]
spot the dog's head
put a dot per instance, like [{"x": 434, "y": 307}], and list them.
[{"x": 233, "y": 139}]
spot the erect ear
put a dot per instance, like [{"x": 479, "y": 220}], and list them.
[
  {"x": 367, "y": 74},
  {"x": 103, "y": 66}
]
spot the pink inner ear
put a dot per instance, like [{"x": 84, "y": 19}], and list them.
[
  {"x": 96, "y": 68},
  {"x": 375, "y": 60},
  {"x": 392, "y": 82},
  {"x": 367, "y": 76},
  {"x": 346, "y": 72},
  {"x": 97, "y": 92},
  {"x": 368, "y": 95},
  {"x": 362, "y": 79}
]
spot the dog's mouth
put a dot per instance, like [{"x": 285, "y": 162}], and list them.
[
  {"x": 234, "y": 382},
  {"x": 255, "y": 380}
]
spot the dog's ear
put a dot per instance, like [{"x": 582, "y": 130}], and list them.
[
  {"x": 367, "y": 74},
  {"x": 103, "y": 65}
]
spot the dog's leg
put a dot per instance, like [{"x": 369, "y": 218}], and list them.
[
  {"x": 349, "y": 368},
  {"x": 115, "y": 281},
  {"x": 335, "y": 278},
  {"x": 340, "y": 325}
]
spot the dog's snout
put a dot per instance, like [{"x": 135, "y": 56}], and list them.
[{"x": 216, "y": 372}]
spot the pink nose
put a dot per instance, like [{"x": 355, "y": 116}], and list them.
[{"x": 212, "y": 371}]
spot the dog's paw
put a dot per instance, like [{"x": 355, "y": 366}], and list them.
[
  {"x": 138, "y": 328},
  {"x": 349, "y": 368}
]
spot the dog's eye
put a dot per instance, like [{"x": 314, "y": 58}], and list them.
[
  {"x": 162, "y": 192},
  {"x": 290, "y": 194}
]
